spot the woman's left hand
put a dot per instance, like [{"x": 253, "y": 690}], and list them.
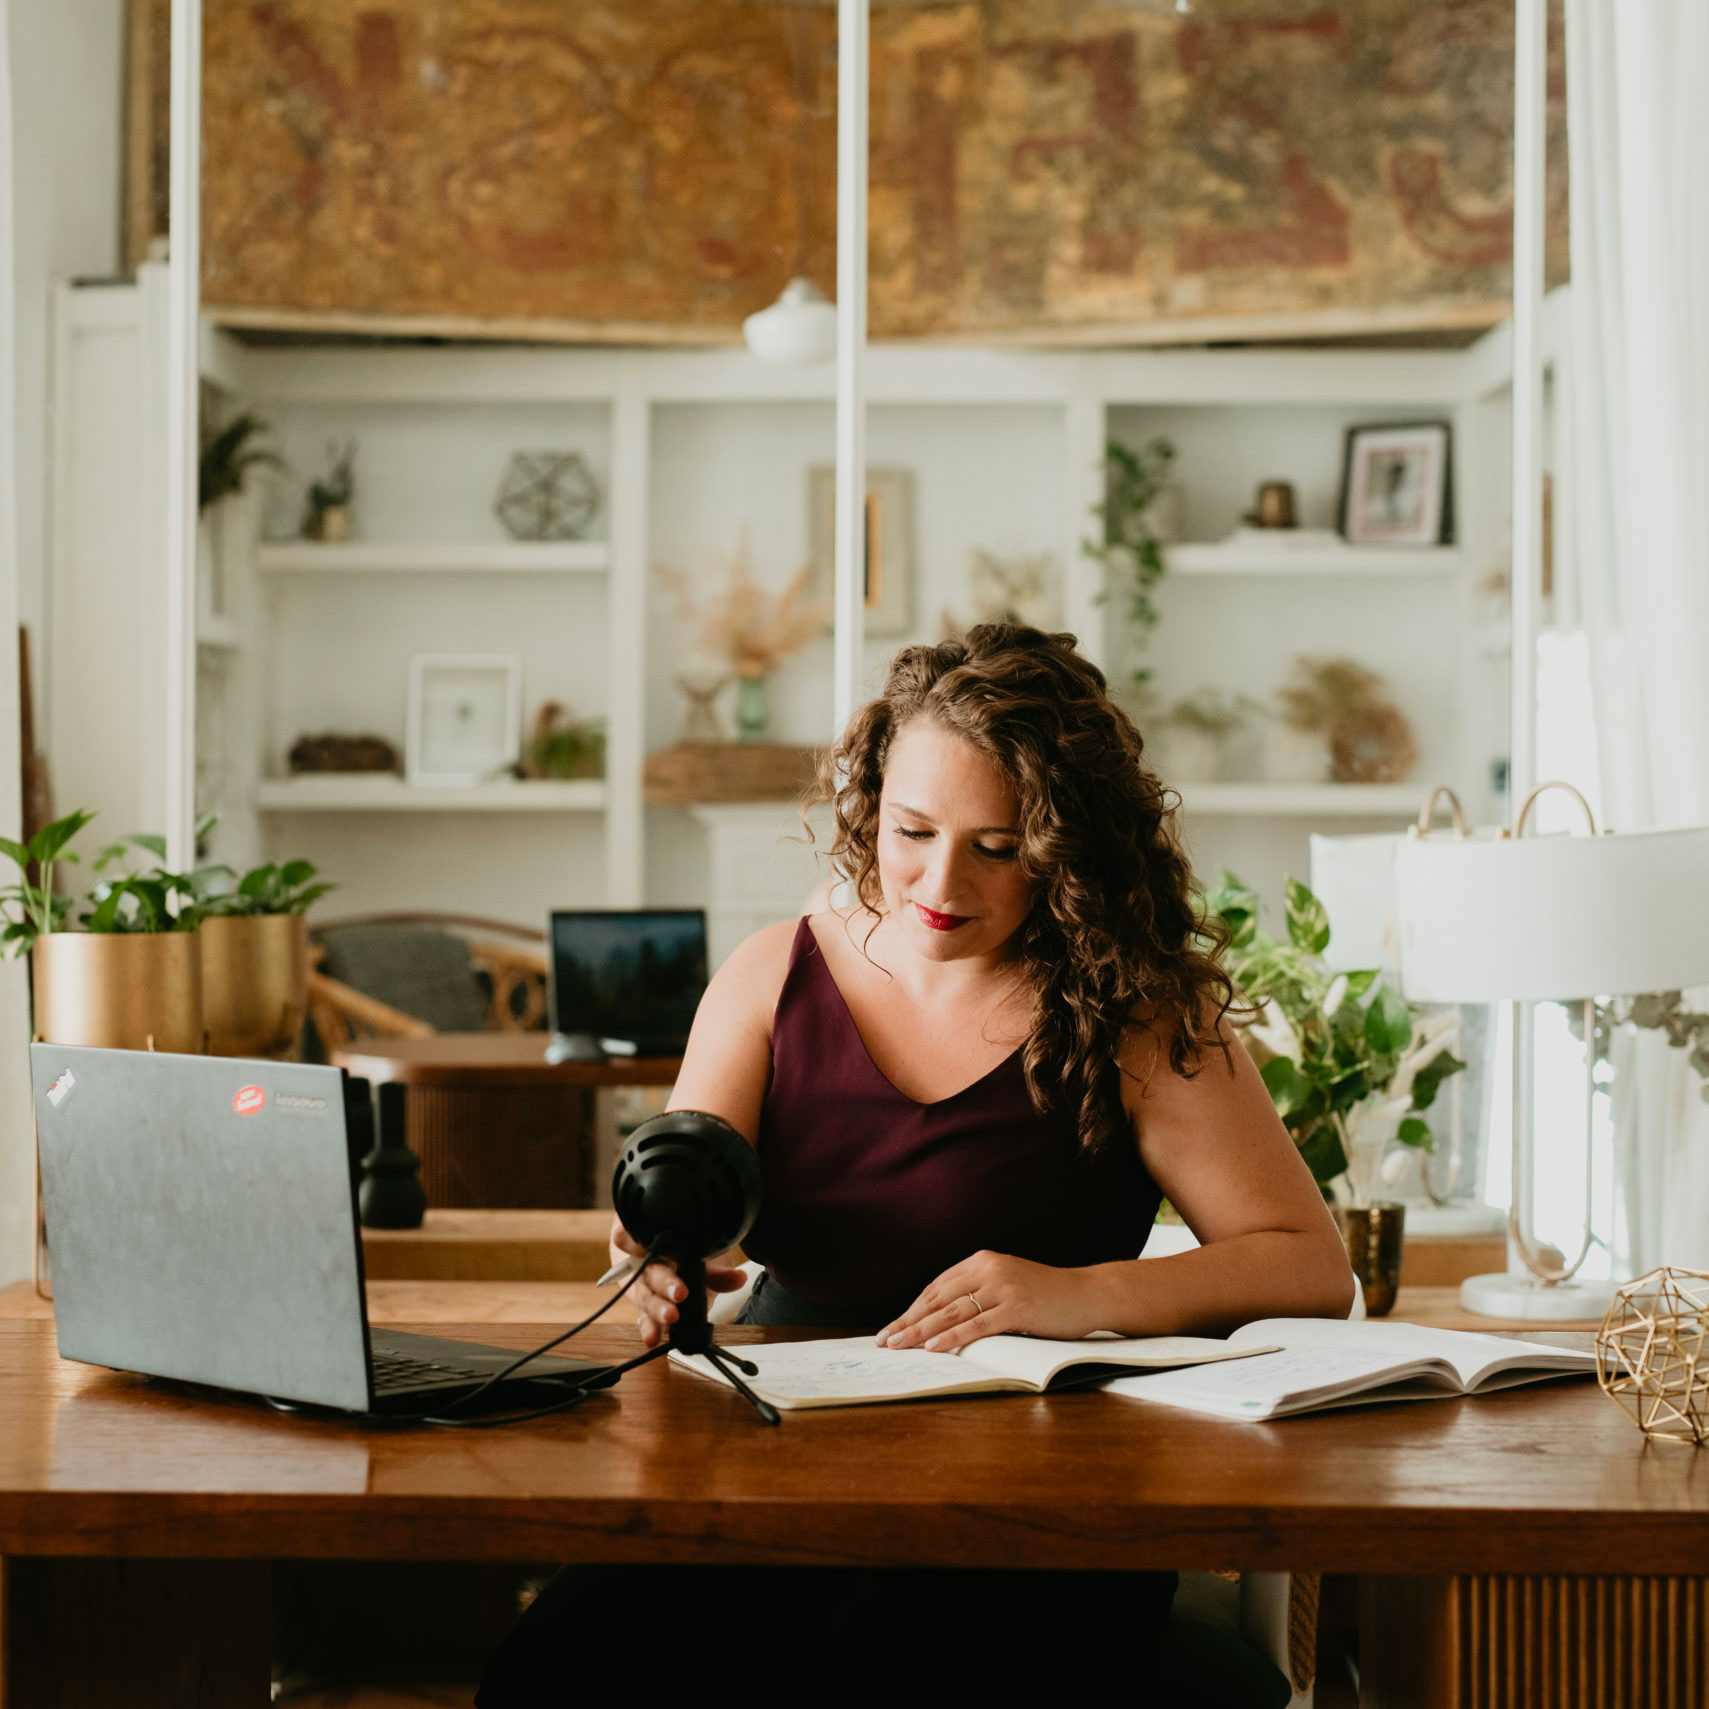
[{"x": 990, "y": 1294}]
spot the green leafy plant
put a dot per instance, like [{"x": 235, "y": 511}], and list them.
[
  {"x": 561, "y": 746},
  {"x": 152, "y": 900},
  {"x": 277, "y": 888},
  {"x": 31, "y": 907},
  {"x": 1129, "y": 548},
  {"x": 1342, "y": 1053},
  {"x": 1211, "y": 711},
  {"x": 337, "y": 487},
  {"x": 1657, "y": 1011},
  {"x": 227, "y": 457}
]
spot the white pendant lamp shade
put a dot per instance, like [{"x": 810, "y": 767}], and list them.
[
  {"x": 1544, "y": 919},
  {"x": 800, "y": 328}
]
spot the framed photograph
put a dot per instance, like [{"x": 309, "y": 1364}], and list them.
[
  {"x": 1395, "y": 488},
  {"x": 889, "y": 544},
  {"x": 465, "y": 717}
]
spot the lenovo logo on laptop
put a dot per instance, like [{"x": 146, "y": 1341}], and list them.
[{"x": 248, "y": 1099}]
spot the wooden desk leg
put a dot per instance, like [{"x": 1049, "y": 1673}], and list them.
[
  {"x": 1529, "y": 1641},
  {"x": 90, "y": 1634}
]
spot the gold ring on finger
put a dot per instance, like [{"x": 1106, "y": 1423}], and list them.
[{"x": 978, "y": 1309}]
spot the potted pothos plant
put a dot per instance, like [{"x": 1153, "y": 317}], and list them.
[
  {"x": 1350, "y": 1065},
  {"x": 130, "y": 978},
  {"x": 255, "y": 958}
]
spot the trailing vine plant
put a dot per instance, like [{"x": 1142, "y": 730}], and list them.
[{"x": 1128, "y": 547}]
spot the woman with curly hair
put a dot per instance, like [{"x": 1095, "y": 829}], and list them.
[{"x": 970, "y": 1088}]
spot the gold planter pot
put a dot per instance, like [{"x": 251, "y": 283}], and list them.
[
  {"x": 1373, "y": 1235},
  {"x": 255, "y": 983},
  {"x": 122, "y": 990},
  {"x": 118, "y": 990}
]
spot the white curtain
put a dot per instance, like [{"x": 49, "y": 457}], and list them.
[{"x": 1638, "y": 122}]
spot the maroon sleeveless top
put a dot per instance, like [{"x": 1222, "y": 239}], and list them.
[{"x": 869, "y": 1196}]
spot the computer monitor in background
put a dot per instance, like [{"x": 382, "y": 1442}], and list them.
[{"x": 625, "y": 983}]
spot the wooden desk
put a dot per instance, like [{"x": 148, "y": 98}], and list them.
[
  {"x": 495, "y": 1124},
  {"x": 194, "y": 1494}
]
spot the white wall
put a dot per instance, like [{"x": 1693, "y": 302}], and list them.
[
  {"x": 59, "y": 110},
  {"x": 67, "y": 66}
]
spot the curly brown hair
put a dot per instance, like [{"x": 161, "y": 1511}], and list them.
[{"x": 1116, "y": 926}]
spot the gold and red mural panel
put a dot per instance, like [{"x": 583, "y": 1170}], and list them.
[{"x": 1041, "y": 170}]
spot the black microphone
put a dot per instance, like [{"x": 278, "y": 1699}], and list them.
[{"x": 687, "y": 1187}]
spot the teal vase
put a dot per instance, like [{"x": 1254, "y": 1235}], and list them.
[{"x": 750, "y": 708}]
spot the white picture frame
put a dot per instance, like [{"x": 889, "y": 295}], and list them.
[
  {"x": 1395, "y": 484},
  {"x": 465, "y": 718},
  {"x": 889, "y": 544}
]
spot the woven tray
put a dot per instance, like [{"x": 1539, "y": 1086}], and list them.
[{"x": 693, "y": 772}]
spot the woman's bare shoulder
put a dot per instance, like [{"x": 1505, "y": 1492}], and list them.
[
  {"x": 760, "y": 962},
  {"x": 1147, "y": 1048}
]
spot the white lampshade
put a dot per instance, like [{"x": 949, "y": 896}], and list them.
[
  {"x": 1540, "y": 919},
  {"x": 798, "y": 329},
  {"x": 1353, "y": 877}
]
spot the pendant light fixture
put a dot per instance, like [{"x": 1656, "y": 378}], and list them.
[{"x": 800, "y": 328}]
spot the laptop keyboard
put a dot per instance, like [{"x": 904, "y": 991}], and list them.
[{"x": 394, "y": 1371}]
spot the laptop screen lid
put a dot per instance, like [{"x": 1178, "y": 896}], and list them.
[
  {"x": 636, "y": 975},
  {"x": 201, "y": 1222}
]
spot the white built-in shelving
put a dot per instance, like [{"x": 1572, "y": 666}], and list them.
[
  {"x": 688, "y": 449},
  {"x": 334, "y": 792},
  {"x": 428, "y": 557},
  {"x": 1282, "y": 558},
  {"x": 1303, "y": 800}
]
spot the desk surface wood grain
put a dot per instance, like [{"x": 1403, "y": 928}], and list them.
[{"x": 670, "y": 1467}]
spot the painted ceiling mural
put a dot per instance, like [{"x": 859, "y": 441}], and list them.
[{"x": 1041, "y": 170}]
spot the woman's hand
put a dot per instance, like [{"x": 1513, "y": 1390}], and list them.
[
  {"x": 989, "y": 1294},
  {"x": 659, "y": 1290}
]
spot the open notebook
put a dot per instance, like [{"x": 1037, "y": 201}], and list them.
[
  {"x": 1322, "y": 1363},
  {"x": 853, "y": 1371}
]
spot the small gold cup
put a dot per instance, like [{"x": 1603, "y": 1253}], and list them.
[
  {"x": 1275, "y": 506},
  {"x": 1374, "y": 1235}
]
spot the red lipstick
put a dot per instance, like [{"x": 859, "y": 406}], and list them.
[{"x": 940, "y": 922}]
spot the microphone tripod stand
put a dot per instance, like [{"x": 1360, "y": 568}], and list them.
[{"x": 691, "y": 1333}]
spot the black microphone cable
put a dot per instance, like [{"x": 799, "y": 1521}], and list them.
[{"x": 581, "y": 1387}]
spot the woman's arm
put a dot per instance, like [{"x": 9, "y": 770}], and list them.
[
  {"x": 725, "y": 1071},
  {"x": 1217, "y": 1148}
]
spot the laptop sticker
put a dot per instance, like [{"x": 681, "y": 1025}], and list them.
[
  {"x": 62, "y": 1088},
  {"x": 248, "y": 1100}
]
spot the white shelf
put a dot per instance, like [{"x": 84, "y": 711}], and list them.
[
  {"x": 1304, "y": 800},
  {"x": 380, "y": 792},
  {"x": 1230, "y": 558},
  {"x": 502, "y": 557},
  {"x": 219, "y": 632}
]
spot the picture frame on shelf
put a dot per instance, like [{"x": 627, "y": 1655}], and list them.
[
  {"x": 889, "y": 545},
  {"x": 465, "y": 718},
  {"x": 1396, "y": 484}
]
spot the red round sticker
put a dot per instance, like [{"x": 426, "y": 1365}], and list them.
[{"x": 249, "y": 1100}]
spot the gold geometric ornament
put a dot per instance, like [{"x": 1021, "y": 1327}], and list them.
[{"x": 1652, "y": 1353}]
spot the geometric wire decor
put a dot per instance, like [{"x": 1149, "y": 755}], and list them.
[
  {"x": 546, "y": 495},
  {"x": 1652, "y": 1353}
]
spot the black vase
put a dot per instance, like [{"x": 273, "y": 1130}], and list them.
[{"x": 391, "y": 1196}]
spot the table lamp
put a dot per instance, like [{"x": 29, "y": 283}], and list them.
[
  {"x": 1547, "y": 919},
  {"x": 1353, "y": 877}
]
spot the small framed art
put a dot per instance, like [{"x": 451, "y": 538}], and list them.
[
  {"x": 889, "y": 545},
  {"x": 465, "y": 717},
  {"x": 1395, "y": 486}
]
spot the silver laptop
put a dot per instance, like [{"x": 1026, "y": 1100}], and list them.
[{"x": 202, "y": 1225}]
